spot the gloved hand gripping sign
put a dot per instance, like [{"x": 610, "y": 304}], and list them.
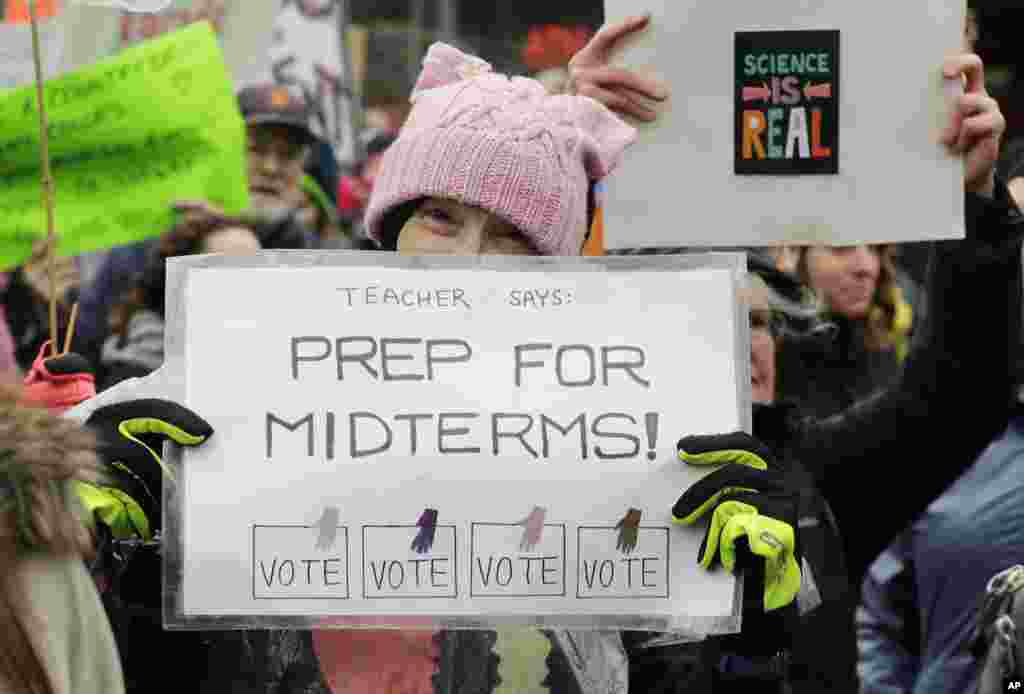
[
  {"x": 126, "y": 510},
  {"x": 753, "y": 513}
]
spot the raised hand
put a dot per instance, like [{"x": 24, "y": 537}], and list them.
[
  {"x": 976, "y": 125},
  {"x": 198, "y": 210},
  {"x": 753, "y": 513},
  {"x": 621, "y": 90}
]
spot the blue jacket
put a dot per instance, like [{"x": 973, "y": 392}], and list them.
[
  {"x": 966, "y": 536},
  {"x": 888, "y": 637}
]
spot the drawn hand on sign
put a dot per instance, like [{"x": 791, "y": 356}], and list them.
[
  {"x": 424, "y": 539},
  {"x": 533, "y": 528},
  {"x": 976, "y": 124},
  {"x": 629, "y": 530},
  {"x": 327, "y": 528},
  {"x": 623, "y": 91}
]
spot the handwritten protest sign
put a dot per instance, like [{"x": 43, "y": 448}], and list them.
[
  {"x": 308, "y": 53},
  {"x": 787, "y": 124},
  {"x": 460, "y": 440},
  {"x": 127, "y": 137}
]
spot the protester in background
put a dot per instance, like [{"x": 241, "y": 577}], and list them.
[
  {"x": 279, "y": 142},
  {"x": 354, "y": 190},
  {"x": 25, "y": 298},
  {"x": 136, "y": 343},
  {"x": 280, "y": 145},
  {"x": 859, "y": 289},
  {"x": 54, "y": 634},
  {"x": 843, "y": 453},
  {"x": 823, "y": 651},
  {"x": 917, "y": 612}
]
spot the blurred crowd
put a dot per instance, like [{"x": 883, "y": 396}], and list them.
[{"x": 885, "y": 386}]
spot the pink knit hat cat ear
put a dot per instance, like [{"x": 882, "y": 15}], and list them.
[
  {"x": 605, "y": 136},
  {"x": 444, "y": 65}
]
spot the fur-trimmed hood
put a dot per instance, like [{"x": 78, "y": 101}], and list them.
[{"x": 40, "y": 457}]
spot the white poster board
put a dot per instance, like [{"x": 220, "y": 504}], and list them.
[
  {"x": 531, "y": 403},
  {"x": 894, "y": 181}
]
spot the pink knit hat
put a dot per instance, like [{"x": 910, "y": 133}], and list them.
[{"x": 502, "y": 144}]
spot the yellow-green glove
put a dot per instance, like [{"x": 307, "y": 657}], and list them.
[
  {"x": 753, "y": 512},
  {"x": 130, "y": 436}
]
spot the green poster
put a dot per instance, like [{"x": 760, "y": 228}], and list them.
[{"x": 128, "y": 135}]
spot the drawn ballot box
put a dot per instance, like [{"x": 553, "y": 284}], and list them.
[
  {"x": 505, "y": 563},
  {"x": 606, "y": 571},
  {"x": 393, "y": 569},
  {"x": 292, "y": 562}
]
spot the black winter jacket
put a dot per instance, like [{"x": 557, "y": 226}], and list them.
[
  {"x": 826, "y": 375},
  {"x": 879, "y": 463}
]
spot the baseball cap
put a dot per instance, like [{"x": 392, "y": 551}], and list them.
[{"x": 275, "y": 104}]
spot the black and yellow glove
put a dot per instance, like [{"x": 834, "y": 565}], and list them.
[
  {"x": 753, "y": 511},
  {"x": 131, "y": 435}
]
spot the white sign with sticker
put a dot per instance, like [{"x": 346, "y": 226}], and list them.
[{"x": 786, "y": 124}]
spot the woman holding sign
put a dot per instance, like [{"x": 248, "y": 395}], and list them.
[
  {"x": 554, "y": 149},
  {"x": 488, "y": 164}
]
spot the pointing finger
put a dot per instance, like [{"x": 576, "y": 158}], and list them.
[{"x": 605, "y": 40}]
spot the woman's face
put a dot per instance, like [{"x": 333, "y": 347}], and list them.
[
  {"x": 845, "y": 277},
  {"x": 446, "y": 227},
  {"x": 762, "y": 356},
  {"x": 231, "y": 241}
]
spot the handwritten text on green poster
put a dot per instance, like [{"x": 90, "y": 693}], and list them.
[{"x": 129, "y": 135}]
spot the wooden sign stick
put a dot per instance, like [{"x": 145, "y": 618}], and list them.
[
  {"x": 47, "y": 181},
  {"x": 71, "y": 329}
]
